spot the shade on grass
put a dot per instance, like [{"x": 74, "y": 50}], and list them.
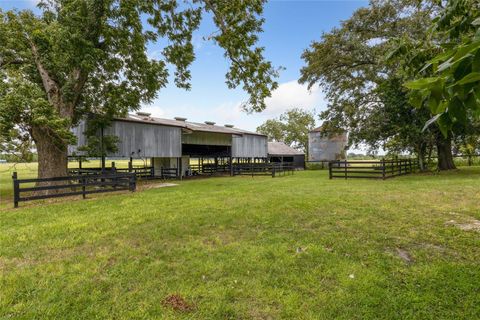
[{"x": 295, "y": 247}]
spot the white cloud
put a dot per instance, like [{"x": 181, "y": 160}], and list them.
[
  {"x": 292, "y": 94},
  {"x": 156, "y": 111},
  {"x": 229, "y": 112}
]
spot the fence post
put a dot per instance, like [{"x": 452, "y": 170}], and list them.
[
  {"x": 345, "y": 165},
  {"x": 133, "y": 182},
  {"x": 130, "y": 166},
  {"x": 383, "y": 168},
  {"x": 16, "y": 190},
  {"x": 329, "y": 170},
  {"x": 84, "y": 195},
  {"x": 273, "y": 171}
]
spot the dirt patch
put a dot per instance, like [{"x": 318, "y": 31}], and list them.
[
  {"x": 177, "y": 303},
  {"x": 472, "y": 225},
  {"x": 405, "y": 256}
]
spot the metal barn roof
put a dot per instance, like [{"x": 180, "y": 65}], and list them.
[
  {"x": 193, "y": 126},
  {"x": 280, "y": 148}
]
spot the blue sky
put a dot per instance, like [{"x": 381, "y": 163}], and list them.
[{"x": 289, "y": 28}]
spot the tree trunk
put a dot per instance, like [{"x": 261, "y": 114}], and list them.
[
  {"x": 421, "y": 156},
  {"x": 444, "y": 152},
  {"x": 52, "y": 158}
]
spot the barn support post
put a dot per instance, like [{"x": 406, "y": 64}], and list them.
[
  {"x": 179, "y": 168},
  {"x": 102, "y": 147}
]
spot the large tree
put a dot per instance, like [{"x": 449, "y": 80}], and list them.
[
  {"x": 82, "y": 56},
  {"x": 291, "y": 127},
  {"x": 363, "y": 81}
]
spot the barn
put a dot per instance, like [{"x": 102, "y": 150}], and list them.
[
  {"x": 279, "y": 152},
  {"x": 187, "y": 147},
  {"x": 323, "y": 147}
]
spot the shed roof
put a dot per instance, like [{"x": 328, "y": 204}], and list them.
[
  {"x": 280, "y": 148},
  {"x": 193, "y": 126}
]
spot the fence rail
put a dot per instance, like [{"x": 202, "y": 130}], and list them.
[
  {"x": 83, "y": 185},
  {"x": 169, "y": 173},
  {"x": 140, "y": 172},
  {"x": 382, "y": 169},
  {"x": 262, "y": 169}
]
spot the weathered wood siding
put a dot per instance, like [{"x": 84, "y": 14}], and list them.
[
  {"x": 207, "y": 138},
  {"x": 152, "y": 140},
  {"x": 249, "y": 146}
]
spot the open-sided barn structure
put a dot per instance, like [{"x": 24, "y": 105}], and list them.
[
  {"x": 279, "y": 152},
  {"x": 172, "y": 143}
]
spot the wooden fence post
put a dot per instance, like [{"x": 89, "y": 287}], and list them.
[
  {"x": 329, "y": 170},
  {"x": 133, "y": 182},
  {"x": 345, "y": 165},
  {"x": 383, "y": 168},
  {"x": 16, "y": 190},
  {"x": 130, "y": 166},
  {"x": 84, "y": 182}
]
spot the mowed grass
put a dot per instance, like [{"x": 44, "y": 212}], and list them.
[{"x": 294, "y": 247}]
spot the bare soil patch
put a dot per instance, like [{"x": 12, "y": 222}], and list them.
[{"x": 177, "y": 303}]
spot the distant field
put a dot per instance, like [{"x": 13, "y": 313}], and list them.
[{"x": 295, "y": 247}]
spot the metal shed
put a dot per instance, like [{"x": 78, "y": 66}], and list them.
[{"x": 279, "y": 152}]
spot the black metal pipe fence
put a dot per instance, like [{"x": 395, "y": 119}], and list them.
[
  {"x": 382, "y": 169},
  {"x": 45, "y": 188}
]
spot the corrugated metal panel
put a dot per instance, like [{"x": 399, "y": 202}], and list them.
[
  {"x": 207, "y": 138},
  {"x": 322, "y": 148},
  {"x": 146, "y": 140},
  {"x": 81, "y": 139},
  {"x": 249, "y": 146},
  {"x": 280, "y": 148}
]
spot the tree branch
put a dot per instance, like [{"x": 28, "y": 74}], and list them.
[{"x": 51, "y": 87}]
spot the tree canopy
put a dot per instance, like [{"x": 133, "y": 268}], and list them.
[
  {"x": 362, "y": 68},
  {"x": 450, "y": 85},
  {"x": 83, "y": 56},
  {"x": 291, "y": 127}
]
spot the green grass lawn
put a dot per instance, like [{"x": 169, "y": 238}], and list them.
[{"x": 294, "y": 247}]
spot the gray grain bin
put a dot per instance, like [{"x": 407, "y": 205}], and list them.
[{"x": 323, "y": 147}]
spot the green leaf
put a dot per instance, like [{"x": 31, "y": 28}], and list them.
[
  {"x": 457, "y": 110},
  {"x": 424, "y": 83},
  {"x": 472, "y": 77},
  {"x": 476, "y": 62},
  {"x": 444, "y": 124},
  {"x": 442, "y": 106},
  {"x": 464, "y": 51},
  {"x": 432, "y": 104}
]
